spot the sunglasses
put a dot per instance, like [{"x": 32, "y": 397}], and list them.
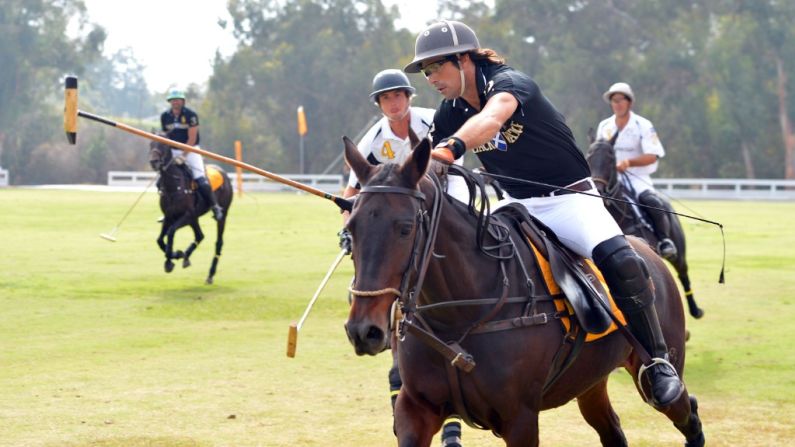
[{"x": 434, "y": 67}]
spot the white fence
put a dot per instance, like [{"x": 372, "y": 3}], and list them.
[
  {"x": 3, "y": 177},
  {"x": 332, "y": 184},
  {"x": 726, "y": 189},
  {"x": 712, "y": 189}
]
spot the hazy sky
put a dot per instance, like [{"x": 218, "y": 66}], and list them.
[{"x": 176, "y": 39}]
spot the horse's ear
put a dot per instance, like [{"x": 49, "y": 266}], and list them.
[
  {"x": 413, "y": 138},
  {"x": 356, "y": 161},
  {"x": 591, "y": 135},
  {"x": 417, "y": 162}
]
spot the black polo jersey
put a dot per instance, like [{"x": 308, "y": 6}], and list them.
[
  {"x": 534, "y": 143},
  {"x": 178, "y": 126}
]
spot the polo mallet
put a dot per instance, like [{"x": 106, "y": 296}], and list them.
[
  {"x": 71, "y": 112},
  {"x": 112, "y": 235},
  {"x": 292, "y": 334}
]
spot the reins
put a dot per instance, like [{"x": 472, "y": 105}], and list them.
[{"x": 721, "y": 278}]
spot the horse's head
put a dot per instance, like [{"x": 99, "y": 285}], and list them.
[
  {"x": 601, "y": 159},
  {"x": 159, "y": 154},
  {"x": 385, "y": 227}
]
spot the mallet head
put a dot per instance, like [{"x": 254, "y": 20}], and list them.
[
  {"x": 292, "y": 340},
  {"x": 70, "y": 109}
]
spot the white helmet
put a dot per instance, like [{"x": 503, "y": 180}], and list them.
[{"x": 619, "y": 87}]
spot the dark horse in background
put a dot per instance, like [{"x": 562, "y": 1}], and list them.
[
  {"x": 601, "y": 158},
  {"x": 182, "y": 205},
  {"x": 468, "y": 286}
]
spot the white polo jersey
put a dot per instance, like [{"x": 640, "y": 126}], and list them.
[
  {"x": 637, "y": 138},
  {"x": 380, "y": 145}
]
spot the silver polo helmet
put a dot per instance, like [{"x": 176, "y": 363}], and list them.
[{"x": 442, "y": 39}]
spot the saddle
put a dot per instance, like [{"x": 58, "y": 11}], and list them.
[
  {"x": 577, "y": 277},
  {"x": 212, "y": 172}
]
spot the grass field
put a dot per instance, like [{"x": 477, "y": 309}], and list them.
[{"x": 99, "y": 347}]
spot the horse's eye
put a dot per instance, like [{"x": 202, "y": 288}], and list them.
[{"x": 404, "y": 229}]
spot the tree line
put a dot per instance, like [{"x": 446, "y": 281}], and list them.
[{"x": 714, "y": 76}]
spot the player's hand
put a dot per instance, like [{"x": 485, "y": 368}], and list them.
[
  {"x": 346, "y": 241},
  {"x": 443, "y": 154}
]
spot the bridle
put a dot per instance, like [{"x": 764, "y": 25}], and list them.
[{"x": 420, "y": 254}]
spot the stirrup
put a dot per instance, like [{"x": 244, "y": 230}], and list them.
[
  {"x": 670, "y": 251},
  {"x": 642, "y": 370},
  {"x": 218, "y": 212}
]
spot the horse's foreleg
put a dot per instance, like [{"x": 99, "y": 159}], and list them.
[
  {"x": 595, "y": 407},
  {"x": 684, "y": 278},
  {"x": 161, "y": 238},
  {"x": 522, "y": 430},
  {"x": 172, "y": 229},
  {"x": 219, "y": 244},
  {"x": 694, "y": 434},
  {"x": 415, "y": 423},
  {"x": 198, "y": 236}
]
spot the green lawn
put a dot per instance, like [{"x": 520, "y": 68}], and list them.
[{"x": 99, "y": 347}]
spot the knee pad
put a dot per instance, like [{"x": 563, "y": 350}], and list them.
[
  {"x": 625, "y": 272},
  {"x": 650, "y": 198}
]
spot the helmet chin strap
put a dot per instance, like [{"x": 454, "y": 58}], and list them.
[
  {"x": 408, "y": 109},
  {"x": 461, "y": 72}
]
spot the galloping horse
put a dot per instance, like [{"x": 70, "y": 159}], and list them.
[
  {"x": 181, "y": 206},
  {"x": 478, "y": 338},
  {"x": 601, "y": 158}
]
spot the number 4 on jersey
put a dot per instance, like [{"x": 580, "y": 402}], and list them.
[{"x": 386, "y": 150}]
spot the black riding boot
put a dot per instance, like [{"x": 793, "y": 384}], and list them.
[
  {"x": 662, "y": 224},
  {"x": 628, "y": 279},
  {"x": 207, "y": 193}
]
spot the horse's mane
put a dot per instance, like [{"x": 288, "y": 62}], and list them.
[{"x": 479, "y": 205}]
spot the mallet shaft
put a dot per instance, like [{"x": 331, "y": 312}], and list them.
[
  {"x": 292, "y": 335},
  {"x": 342, "y": 203}
]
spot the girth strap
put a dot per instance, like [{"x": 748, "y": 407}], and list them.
[
  {"x": 517, "y": 323},
  {"x": 451, "y": 351}
]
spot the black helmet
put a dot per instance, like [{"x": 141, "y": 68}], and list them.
[
  {"x": 442, "y": 39},
  {"x": 390, "y": 79}
]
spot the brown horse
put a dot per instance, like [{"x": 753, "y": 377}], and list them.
[
  {"x": 601, "y": 158},
  {"x": 181, "y": 206},
  {"x": 445, "y": 263}
]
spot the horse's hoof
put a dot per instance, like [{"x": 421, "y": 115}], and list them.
[
  {"x": 209, "y": 280},
  {"x": 185, "y": 263},
  {"x": 697, "y": 313},
  {"x": 169, "y": 266}
]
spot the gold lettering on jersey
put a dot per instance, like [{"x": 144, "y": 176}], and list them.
[
  {"x": 513, "y": 133},
  {"x": 485, "y": 147},
  {"x": 510, "y": 135},
  {"x": 386, "y": 150}
]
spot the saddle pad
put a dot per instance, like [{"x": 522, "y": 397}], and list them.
[
  {"x": 215, "y": 177},
  {"x": 561, "y": 304}
]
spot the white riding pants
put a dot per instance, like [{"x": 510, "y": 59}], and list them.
[
  {"x": 457, "y": 188},
  {"x": 579, "y": 221},
  {"x": 640, "y": 183},
  {"x": 193, "y": 160}
]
